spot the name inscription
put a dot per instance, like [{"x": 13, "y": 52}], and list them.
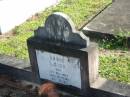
[{"x": 58, "y": 68}]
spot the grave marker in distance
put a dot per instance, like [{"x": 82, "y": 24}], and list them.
[{"x": 61, "y": 54}]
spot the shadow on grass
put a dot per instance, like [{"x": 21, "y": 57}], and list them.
[{"x": 109, "y": 41}]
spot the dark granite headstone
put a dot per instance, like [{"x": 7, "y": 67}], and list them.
[
  {"x": 59, "y": 27},
  {"x": 61, "y": 54}
]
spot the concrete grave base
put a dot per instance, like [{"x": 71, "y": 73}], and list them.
[{"x": 15, "y": 12}]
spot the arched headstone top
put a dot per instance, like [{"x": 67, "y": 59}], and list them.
[{"x": 59, "y": 27}]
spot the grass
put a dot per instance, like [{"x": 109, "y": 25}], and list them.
[
  {"x": 79, "y": 10},
  {"x": 115, "y": 68},
  {"x": 117, "y": 43},
  {"x": 15, "y": 46},
  {"x": 115, "y": 65},
  {"x": 114, "y": 60}
]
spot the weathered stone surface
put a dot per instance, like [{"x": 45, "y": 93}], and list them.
[
  {"x": 109, "y": 88},
  {"x": 14, "y": 62},
  {"x": 59, "y": 27},
  {"x": 113, "y": 20},
  {"x": 60, "y": 69},
  {"x": 93, "y": 62}
]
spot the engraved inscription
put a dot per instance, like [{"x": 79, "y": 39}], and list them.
[{"x": 58, "y": 68}]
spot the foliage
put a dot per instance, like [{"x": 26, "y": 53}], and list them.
[
  {"x": 115, "y": 67},
  {"x": 114, "y": 61},
  {"x": 119, "y": 41}
]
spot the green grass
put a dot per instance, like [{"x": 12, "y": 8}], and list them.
[
  {"x": 79, "y": 10},
  {"x": 115, "y": 59},
  {"x": 115, "y": 66},
  {"x": 118, "y": 43},
  {"x": 15, "y": 46}
]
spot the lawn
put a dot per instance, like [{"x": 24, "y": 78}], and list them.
[
  {"x": 115, "y": 65},
  {"x": 114, "y": 60},
  {"x": 115, "y": 68},
  {"x": 79, "y": 10}
]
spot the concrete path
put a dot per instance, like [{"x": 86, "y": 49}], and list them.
[
  {"x": 15, "y": 12},
  {"x": 113, "y": 20}
]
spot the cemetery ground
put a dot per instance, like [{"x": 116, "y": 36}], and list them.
[
  {"x": 11, "y": 87},
  {"x": 114, "y": 56}
]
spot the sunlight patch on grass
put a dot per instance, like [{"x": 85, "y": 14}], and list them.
[{"x": 115, "y": 67}]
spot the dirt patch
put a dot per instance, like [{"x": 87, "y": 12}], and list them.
[
  {"x": 106, "y": 52},
  {"x": 13, "y": 88},
  {"x": 10, "y": 87}
]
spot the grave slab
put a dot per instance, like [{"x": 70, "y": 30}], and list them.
[
  {"x": 14, "y": 62},
  {"x": 16, "y": 71},
  {"x": 114, "y": 20},
  {"x": 15, "y": 12}
]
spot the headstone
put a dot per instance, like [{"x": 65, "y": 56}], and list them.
[{"x": 61, "y": 54}]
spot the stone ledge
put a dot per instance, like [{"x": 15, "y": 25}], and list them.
[
  {"x": 113, "y": 88},
  {"x": 14, "y": 62}
]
